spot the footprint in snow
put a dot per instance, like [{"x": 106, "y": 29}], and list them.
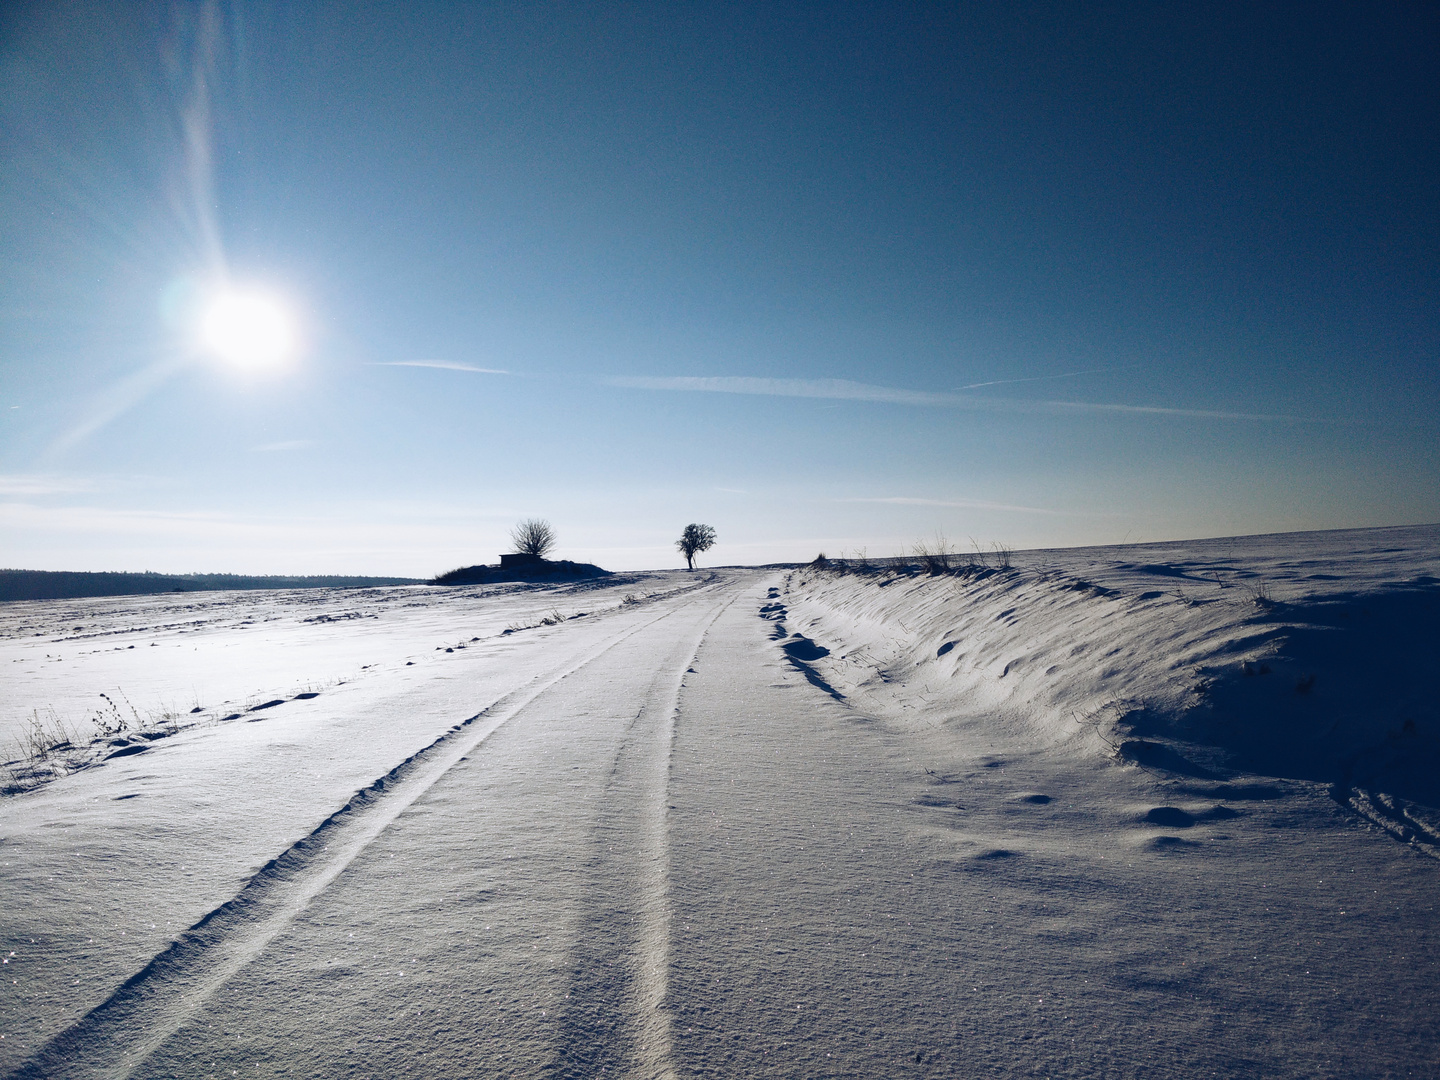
[
  {"x": 993, "y": 854},
  {"x": 799, "y": 647},
  {"x": 935, "y": 801},
  {"x": 1172, "y": 817},
  {"x": 1248, "y": 792},
  {"x": 1169, "y": 817},
  {"x": 1171, "y": 843}
]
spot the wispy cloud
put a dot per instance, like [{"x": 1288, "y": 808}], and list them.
[
  {"x": 1044, "y": 378},
  {"x": 844, "y": 389},
  {"x": 1158, "y": 410},
  {"x": 963, "y": 504},
  {"x": 288, "y": 444},
  {"x": 44, "y": 485},
  {"x": 443, "y": 365},
  {"x": 349, "y": 536}
]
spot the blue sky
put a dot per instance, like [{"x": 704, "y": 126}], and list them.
[{"x": 824, "y": 276}]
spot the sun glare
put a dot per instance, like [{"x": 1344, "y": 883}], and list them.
[{"x": 249, "y": 330}]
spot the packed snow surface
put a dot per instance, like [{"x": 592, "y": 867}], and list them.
[{"x": 1160, "y": 810}]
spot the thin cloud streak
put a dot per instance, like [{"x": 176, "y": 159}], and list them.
[
  {"x": 961, "y": 504},
  {"x": 443, "y": 365},
  {"x": 289, "y": 444},
  {"x": 341, "y": 528},
  {"x": 1158, "y": 410},
  {"x": 43, "y": 485},
  {"x": 1045, "y": 378},
  {"x": 846, "y": 390},
  {"x": 842, "y": 389}
]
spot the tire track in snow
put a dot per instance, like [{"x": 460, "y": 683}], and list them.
[
  {"x": 653, "y": 983},
  {"x": 117, "y": 1036},
  {"x": 634, "y": 920}
]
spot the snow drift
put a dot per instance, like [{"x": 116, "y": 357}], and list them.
[{"x": 1180, "y": 658}]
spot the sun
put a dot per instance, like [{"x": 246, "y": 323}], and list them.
[{"x": 248, "y": 329}]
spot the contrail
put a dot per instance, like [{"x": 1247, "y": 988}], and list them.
[
  {"x": 1043, "y": 378},
  {"x": 444, "y": 365},
  {"x": 847, "y": 390}
]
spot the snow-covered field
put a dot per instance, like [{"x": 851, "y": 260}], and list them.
[{"x": 1161, "y": 810}]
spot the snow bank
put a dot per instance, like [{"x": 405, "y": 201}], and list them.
[{"x": 1310, "y": 657}]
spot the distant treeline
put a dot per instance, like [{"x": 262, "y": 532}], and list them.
[{"x": 66, "y": 585}]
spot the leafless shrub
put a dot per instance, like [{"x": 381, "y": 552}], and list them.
[
  {"x": 45, "y": 736},
  {"x": 108, "y": 721},
  {"x": 934, "y": 555},
  {"x": 46, "y": 748},
  {"x": 1258, "y": 593},
  {"x": 533, "y": 536},
  {"x": 1003, "y": 554}
]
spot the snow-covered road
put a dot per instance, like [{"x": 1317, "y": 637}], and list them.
[{"x": 670, "y": 839}]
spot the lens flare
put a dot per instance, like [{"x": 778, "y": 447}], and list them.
[{"x": 249, "y": 330}]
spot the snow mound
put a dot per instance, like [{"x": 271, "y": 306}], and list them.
[
  {"x": 543, "y": 570},
  {"x": 1186, "y": 664}
]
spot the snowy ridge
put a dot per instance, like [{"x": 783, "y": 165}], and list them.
[{"x": 1208, "y": 681}]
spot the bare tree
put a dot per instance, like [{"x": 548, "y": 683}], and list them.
[
  {"x": 695, "y": 539},
  {"x": 533, "y": 536}
]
